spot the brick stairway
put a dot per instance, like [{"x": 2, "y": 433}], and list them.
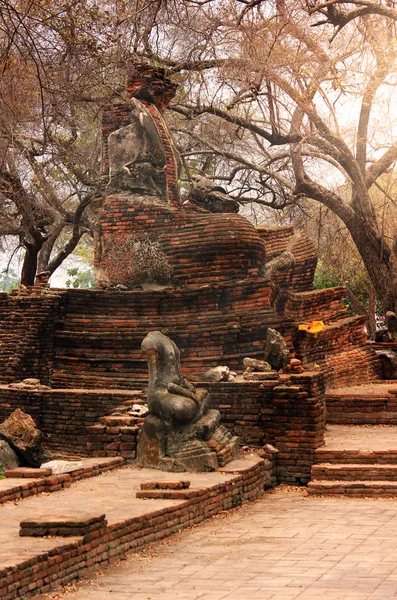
[{"x": 358, "y": 461}]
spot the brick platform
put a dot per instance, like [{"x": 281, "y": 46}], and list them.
[
  {"x": 14, "y": 488},
  {"x": 33, "y": 565},
  {"x": 374, "y": 404}
]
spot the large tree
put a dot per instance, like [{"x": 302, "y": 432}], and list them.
[
  {"x": 60, "y": 62},
  {"x": 296, "y": 112},
  {"x": 273, "y": 104}
]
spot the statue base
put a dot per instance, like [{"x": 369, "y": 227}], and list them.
[{"x": 203, "y": 446}]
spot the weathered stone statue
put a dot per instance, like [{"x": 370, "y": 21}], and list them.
[
  {"x": 170, "y": 397},
  {"x": 142, "y": 157},
  {"x": 276, "y": 350},
  {"x": 212, "y": 197},
  {"x": 180, "y": 433},
  {"x": 282, "y": 262}
]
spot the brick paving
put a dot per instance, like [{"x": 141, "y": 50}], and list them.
[{"x": 285, "y": 546}]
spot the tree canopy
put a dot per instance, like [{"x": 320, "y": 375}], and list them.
[{"x": 280, "y": 100}]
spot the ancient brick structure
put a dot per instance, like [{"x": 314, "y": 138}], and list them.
[{"x": 86, "y": 343}]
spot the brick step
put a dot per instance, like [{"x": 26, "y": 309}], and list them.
[
  {"x": 99, "y": 380},
  {"x": 369, "y": 457},
  {"x": 109, "y": 361},
  {"x": 354, "y": 472},
  {"x": 128, "y": 319},
  {"x": 359, "y": 409},
  {"x": 377, "y": 489}
]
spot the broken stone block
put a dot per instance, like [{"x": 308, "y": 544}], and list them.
[
  {"x": 21, "y": 433},
  {"x": 29, "y": 384},
  {"x": 257, "y": 376},
  {"x": 253, "y": 364},
  {"x": 216, "y": 374},
  {"x": 8, "y": 459},
  {"x": 58, "y": 467},
  {"x": 276, "y": 350}
]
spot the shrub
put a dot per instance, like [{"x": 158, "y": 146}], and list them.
[{"x": 134, "y": 260}]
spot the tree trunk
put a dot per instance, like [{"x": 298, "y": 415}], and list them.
[
  {"x": 371, "y": 325},
  {"x": 29, "y": 267},
  {"x": 378, "y": 267}
]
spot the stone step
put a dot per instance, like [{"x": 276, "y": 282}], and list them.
[
  {"x": 354, "y": 472},
  {"x": 370, "y": 457},
  {"x": 377, "y": 489}
]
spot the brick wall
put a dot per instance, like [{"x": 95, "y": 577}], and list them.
[
  {"x": 201, "y": 248},
  {"x": 316, "y": 305},
  {"x": 288, "y": 413},
  {"x": 98, "y": 342},
  {"x": 341, "y": 351},
  {"x": 64, "y": 416},
  {"x": 27, "y": 323}
]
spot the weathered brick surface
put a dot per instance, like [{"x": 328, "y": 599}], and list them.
[
  {"x": 201, "y": 248},
  {"x": 316, "y": 305},
  {"x": 98, "y": 342},
  {"x": 64, "y": 416},
  {"x": 290, "y": 416},
  {"x": 365, "y": 408},
  {"x": 27, "y": 322},
  {"x": 341, "y": 351}
]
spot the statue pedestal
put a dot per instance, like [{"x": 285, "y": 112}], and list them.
[{"x": 201, "y": 446}]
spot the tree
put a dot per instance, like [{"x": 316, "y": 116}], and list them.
[
  {"x": 297, "y": 117},
  {"x": 267, "y": 105}
]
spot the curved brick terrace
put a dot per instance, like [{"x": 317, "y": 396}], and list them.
[{"x": 285, "y": 546}]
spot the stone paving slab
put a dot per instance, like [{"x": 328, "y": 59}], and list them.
[
  {"x": 360, "y": 437},
  {"x": 285, "y": 546}
]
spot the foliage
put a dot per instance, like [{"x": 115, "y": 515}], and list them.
[
  {"x": 80, "y": 279},
  {"x": 8, "y": 280},
  {"x": 134, "y": 260}
]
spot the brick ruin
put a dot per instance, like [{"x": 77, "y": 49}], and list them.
[{"x": 85, "y": 344}]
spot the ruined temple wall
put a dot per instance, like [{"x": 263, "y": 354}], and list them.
[
  {"x": 316, "y": 305},
  {"x": 63, "y": 416},
  {"x": 201, "y": 248},
  {"x": 341, "y": 351},
  {"x": 289, "y": 414},
  {"x": 98, "y": 343},
  {"x": 27, "y": 324}
]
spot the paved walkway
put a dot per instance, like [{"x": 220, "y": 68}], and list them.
[{"x": 285, "y": 546}]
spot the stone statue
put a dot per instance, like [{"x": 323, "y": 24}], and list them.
[
  {"x": 179, "y": 433},
  {"x": 136, "y": 156},
  {"x": 206, "y": 194},
  {"x": 143, "y": 159},
  {"x": 282, "y": 262},
  {"x": 170, "y": 397},
  {"x": 276, "y": 350}
]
